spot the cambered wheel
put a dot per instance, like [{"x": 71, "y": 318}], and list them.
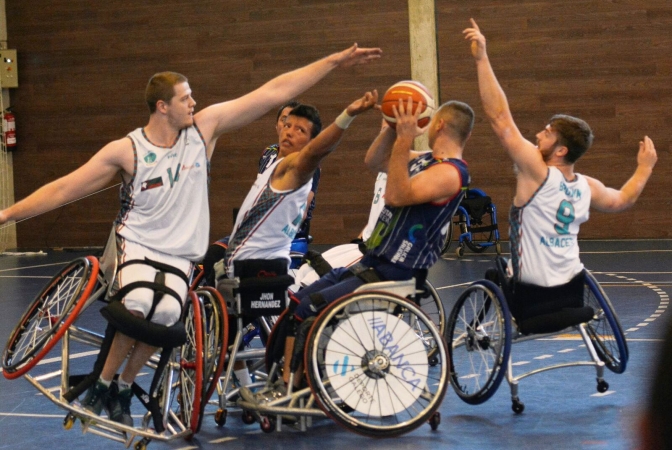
[
  {"x": 215, "y": 323},
  {"x": 49, "y": 316},
  {"x": 604, "y": 329},
  {"x": 183, "y": 389},
  {"x": 362, "y": 352},
  {"x": 430, "y": 303},
  {"x": 479, "y": 342},
  {"x": 448, "y": 238}
]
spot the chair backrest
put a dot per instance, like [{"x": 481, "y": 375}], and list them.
[{"x": 263, "y": 286}]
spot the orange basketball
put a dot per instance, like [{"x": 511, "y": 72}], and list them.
[{"x": 402, "y": 90}]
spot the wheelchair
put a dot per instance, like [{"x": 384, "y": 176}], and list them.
[
  {"x": 307, "y": 266},
  {"x": 481, "y": 331},
  {"x": 474, "y": 224},
  {"x": 184, "y": 372},
  {"x": 374, "y": 362}
]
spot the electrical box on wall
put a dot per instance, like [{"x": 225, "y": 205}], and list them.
[{"x": 9, "y": 74}]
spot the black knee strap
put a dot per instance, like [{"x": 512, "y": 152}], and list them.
[
  {"x": 158, "y": 266},
  {"x": 158, "y": 285},
  {"x": 317, "y": 262},
  {"x": 317, "y": 301},
  {"x": 363, "y": 272},
  {"x": 143, "y": 330}
]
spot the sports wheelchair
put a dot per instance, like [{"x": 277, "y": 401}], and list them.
[
  {"x": 184, "y": 373},
  {"x": 474, "y": 224},
  {"x": 481, "y": 329},
  {"x": 374, "y": 362}
]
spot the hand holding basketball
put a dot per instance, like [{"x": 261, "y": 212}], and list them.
[
  {"x": 406, "y": 115},
  {"x": 421, "y": 99}
]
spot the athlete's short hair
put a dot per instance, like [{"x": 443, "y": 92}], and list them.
[
  {"x": 459, "y": 118},
  {"x": 291, "y": 104},
  {"x": 312, "y": 114},
  {"x": 573, "y": 133},
  {"x": 162, "y": 87}
]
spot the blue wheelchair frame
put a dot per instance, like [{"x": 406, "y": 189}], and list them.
[{"x": 471, "y": 226}]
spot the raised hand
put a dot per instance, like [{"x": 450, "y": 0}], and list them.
[
  {"x": 647, "y": 156},
  {"x": 368, "y": 101},
  {"x": 354, "y": 55},
  {"x": 477, "y": 39}
]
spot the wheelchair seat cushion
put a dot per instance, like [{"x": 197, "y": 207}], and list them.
[
  {"x": 476, "y": 206},
  {"x": 532, "y": 306},
  {"x": 143, "y": 330},
  {"x": 556, "y": 321}
]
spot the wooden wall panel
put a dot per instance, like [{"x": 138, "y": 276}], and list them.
[
  {"x": 604, "y": 61},
  {"x": 84, "y": 66}
]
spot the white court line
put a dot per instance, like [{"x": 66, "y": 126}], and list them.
[
  {"x": 47, "y": 416},
  {"x": 35, "y": 267},
  {"x": 220, "y": 440},
  {"x": 450, "y": 286},
  {"x": 602, "y": 394},
  {"x": 26, "y": 276},
  {"x": 58, "y": 358}
]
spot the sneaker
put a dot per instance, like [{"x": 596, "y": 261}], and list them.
[
  {"x": 118, "y": 405},
  {"x": 96, "y": 397},
  {"x": 265, "y": 395}
]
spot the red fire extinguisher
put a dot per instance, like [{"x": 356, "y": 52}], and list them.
[{"x": 9, "y": 129}]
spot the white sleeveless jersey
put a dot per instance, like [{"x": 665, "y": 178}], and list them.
[
  {"x": 543, "y": 232},
  {"x": 267, "y": 221},
  {"x": 165, "y": 205},
  {"x": 377, "y": 205}
]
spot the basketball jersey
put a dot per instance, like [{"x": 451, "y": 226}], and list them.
[
  {"x": 377, "y": 205},
  {"x": 267, "y": 221},
  {"x": 412, "y": 236},
  {"x": 268, "y": 157},
  {"x": 543, "y": 232},
  {"x": 165, "y": 205}
]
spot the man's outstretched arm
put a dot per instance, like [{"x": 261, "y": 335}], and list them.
[
  {"x": 611, "y": 200},
  {"x": 222, "y": 117},
  {"x": 496, "y": 106},
  {"x": 297, "y": 168}
]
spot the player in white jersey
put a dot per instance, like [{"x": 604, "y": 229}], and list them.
[
  {"x": 551, "y": 200},
  {"x": 174, "y": 133},
  {"x": 274, "y": 207}
]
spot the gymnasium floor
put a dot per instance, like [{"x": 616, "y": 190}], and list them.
[{"x": 562, "y": 408}]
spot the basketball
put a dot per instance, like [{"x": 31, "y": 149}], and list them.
[{"x": 402, "y": 90}]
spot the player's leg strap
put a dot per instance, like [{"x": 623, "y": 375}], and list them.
[
  {"x": 363, "y": 272},
  {"x": 142, "y": 329},
  {"x": 158, "y": 285},
  {"x": 317, "y": 262}
]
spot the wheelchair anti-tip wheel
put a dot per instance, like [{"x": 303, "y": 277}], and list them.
[
  {"x": 479, "y": 342},
  {"x": 369, "y": 368},
  {"x": 604, "y": 329},
  {"x": 48, "y": 317}
]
